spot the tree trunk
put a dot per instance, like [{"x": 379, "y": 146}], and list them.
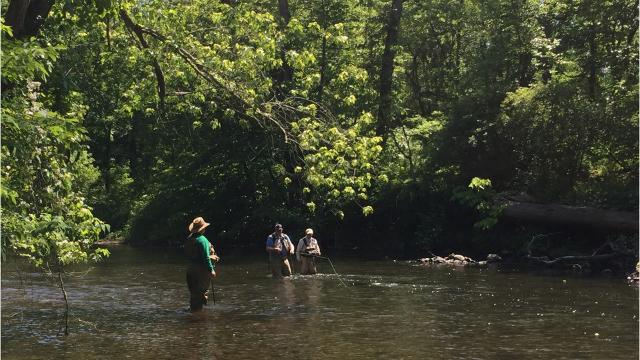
[
  {"x": 323, "y": 55},
  {"x": 137, "y": 30},
  {"x": 133, "y": 145},
  {"x": 414, "y": 81},
  {"x": 27, "y": 16},
  {"x": 456, "y": 53},
  {"x": 66, "y": 303},
  {"x": 386, "y": 70},
  {"x": 563, "y": 215},
  {"x": 108, "y": 32},
  {"x": 593, "y": 63},
  {"x": 284, "y": 75},
  {"x": 106, "y": 159},
  {"x": 525, "y": 76},
  {"x": 323, "y": 68},
  {"x": 15, "y": 15},
  {"x": 283, "y": 10}
]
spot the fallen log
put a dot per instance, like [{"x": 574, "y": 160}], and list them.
[
  {"x": 564, "y": 215},
  {"x": 572, "y": 258}
]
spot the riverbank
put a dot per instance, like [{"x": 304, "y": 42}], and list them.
[
  {"x": 608, "y": 261},
  {"x": 606, "y": 265}
]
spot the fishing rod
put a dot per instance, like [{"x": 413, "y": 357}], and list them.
[
  {"x": 330, "y": 263},
  {"x": 213, "y": 293},
  {"x": 214, "y": 258}
]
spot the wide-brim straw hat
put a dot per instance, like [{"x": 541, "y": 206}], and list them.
[{"x": 198, "y": 224}]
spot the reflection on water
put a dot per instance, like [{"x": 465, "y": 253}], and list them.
[{"x": 134, "y": 306}]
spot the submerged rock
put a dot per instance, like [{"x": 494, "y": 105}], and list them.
[
  {"x": 606, "y": 272},
  {"x": 457, "y": 257},
  {"x": 493, "y": 258},
  {"x": 452, "y": 260}
]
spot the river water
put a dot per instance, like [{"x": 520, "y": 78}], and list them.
[{"x": 134, "y": 306}]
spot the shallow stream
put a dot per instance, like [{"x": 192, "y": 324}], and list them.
[{"x": 133, "y": 306}]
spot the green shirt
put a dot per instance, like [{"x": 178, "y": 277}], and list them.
[{"x": 202, "y": 252}]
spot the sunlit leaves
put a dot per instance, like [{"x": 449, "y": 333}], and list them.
[
  {"x": 337, "y": 161},
  {"x": 367, "y": 210},
  {"x": 311, "y": 206},
  {"x": 46, "y": 169},
  {"x": 27, "y": 59},
  {"x": 479, "y": 183},
  {"x": 480, "y": 196}
]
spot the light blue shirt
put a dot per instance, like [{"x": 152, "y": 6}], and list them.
[{"x": 273, "y": 242}]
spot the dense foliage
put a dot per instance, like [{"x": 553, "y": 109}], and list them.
[
  {"x": 46, "y": 167},
  {"x": 365, "y": 119}
]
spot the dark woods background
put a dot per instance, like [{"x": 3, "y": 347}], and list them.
[{"x": 391, "y": 127}]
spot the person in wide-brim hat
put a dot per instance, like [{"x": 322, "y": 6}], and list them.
[
  {"x": 197, "y": 225},
  {"x": 201, "y": 267}
]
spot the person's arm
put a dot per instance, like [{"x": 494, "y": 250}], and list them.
[
  {"x": 270, "y": 242},
  {"x": 212, "y": 254},
  {"x": 203, "y": 243},
  {"x": 290, "y": 247},
  {"x": 269, "y": 247},
  {"x": 317, "y": 247}
]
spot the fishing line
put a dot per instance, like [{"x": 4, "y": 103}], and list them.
[
  {"x": 330, "y": 263},
  {"x": 213, "y": 293}
]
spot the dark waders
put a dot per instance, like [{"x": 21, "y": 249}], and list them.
[
  {"x": 279, "y": 265},
  {"x": 198, "y": 281}
]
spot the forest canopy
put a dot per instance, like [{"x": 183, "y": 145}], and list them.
[{"x": 390, "y": 124}]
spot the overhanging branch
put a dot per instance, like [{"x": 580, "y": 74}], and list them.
[
  {"x": 233, "y": 100},
  {"x": 137, "y": 30}
]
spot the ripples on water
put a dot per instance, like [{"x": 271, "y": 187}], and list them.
[{"x": 128, "y": 309}]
